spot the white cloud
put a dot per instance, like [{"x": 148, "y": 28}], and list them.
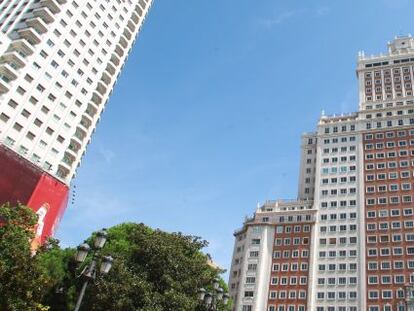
[
  {"x": 277, "y": 19},
  {"x": 285, "y": 16},
  {"x": 322, "y": 11},
  {"x": 107, "y": 154}
]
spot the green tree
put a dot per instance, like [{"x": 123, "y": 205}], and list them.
[
  {"x": 21, "y": 280},
  {"x": 153, "y": 271},
  {"x": 59, "y": 269}
]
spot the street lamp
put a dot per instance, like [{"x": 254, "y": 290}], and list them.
[
  {"x": 226, "y": 298},
  {"x": 211, "y": 300},
  {"x": 216, "y": 283},
  {"x": 201, "y": 294},
  {"x": 82, "y": 252},
  {"x": 89, "y": 273},
  {"x": 220, "y": 293},
  {"x": 208, "y": 299},
  {"x": 106, "y": 264},
  {"x": 100, "y": 238}
]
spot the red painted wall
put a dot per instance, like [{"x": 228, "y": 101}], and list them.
[
  {"x": 18, "y": 177},
  {"x": 21, "y": 181}
]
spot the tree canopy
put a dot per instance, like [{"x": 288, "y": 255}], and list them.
[
  {"x": 153, "y": 270},
  {"x": 21, "y": 278}
]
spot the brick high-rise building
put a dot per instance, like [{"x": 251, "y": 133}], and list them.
[
  {"x": 59, "y": 61},
  {"x": 354, "y": 218}
]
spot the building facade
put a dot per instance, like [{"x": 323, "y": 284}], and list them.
[
  {"x": 358, "y": 172},
  {"x": 59, "y": 62},
  {"x": 272, "y": 255}
]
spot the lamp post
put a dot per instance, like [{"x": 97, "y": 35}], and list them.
[
  {"x": 90, "y": 272},
  {"x": 211, "y": 300}
]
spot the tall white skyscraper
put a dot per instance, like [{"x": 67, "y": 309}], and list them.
[
  {"x": 347, "y": 243},
  {"x": 59, "y": 62}
]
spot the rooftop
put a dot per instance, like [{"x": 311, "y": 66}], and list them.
[
  {"x": 338, "y": 117},
  {"x": 400, "y": 46}
]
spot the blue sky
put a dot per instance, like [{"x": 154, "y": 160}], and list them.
[{"x": 205, "y": 121}]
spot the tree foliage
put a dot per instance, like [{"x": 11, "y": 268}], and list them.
[
  {"x": 21, "y": 278},
  {"x": 152, "y": 271}
]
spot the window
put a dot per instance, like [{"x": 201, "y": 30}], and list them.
[
  {"x": 40, "y": 88},
  {"x": 248, "y": 294},
  {"x": 17, "y": 127},
  {"x": 387, "y": 294},
  {"x": 4, "y": 117},
  {"x": 250, "y": 280},
  {"x": 373, "y": 294},
  {"x": 399, "y": 279},
  {"x": 252, "y": 267},
  {"x": 25, "y": 113},
  {"x": 408, "y": 211}
]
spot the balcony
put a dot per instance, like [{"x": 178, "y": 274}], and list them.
[
  {"x": 110, "y": 68},
  {"x": 4, "y": 86},
  {"x": 30, "y": 35},
  {"x": 115, "y": 60},
  {"x": 38, "y": 24},
  {"x": 8, "y": 71},
  {"x": 13, "y": 57},
  {"x": 74, "y": 147},
  {"x": 96, "y": 98},
  {"x": 62, "y": 172},
  {"x": 106, "y": 78},
  {"x": 131, "y": 26},
  {"x": 22, "y": 45},
  {"x": 80, "y": 134},
  {"x": 44, "y": 13},
  {"x": 77, "y": 139},
  {"x": 123, "y": 42},
  {"x": 135, "y": 17},
  {"x": 52, "y": 5},
  {"x": 119, "y": 50},
  {"x": 123, "y": 37},
  {"x": 65, "y": 166},
  {"x": 85, "y": 123},
  {"x": 101, "y": 88},
  {"x": 142, "y": 4},
  {"x": 138, "y": 10},
  {"x": 68, "y": 159},
  {"x": 91, "y": 111},
  {"x": 127, "y": 34},
  {"x": 87, "y": 117}
]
